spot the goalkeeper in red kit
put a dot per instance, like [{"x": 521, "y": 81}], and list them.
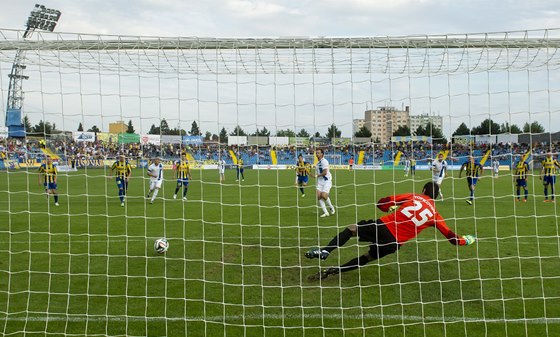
[{"x": 411, "y": 214}]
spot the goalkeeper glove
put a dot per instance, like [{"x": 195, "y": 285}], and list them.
[
  {"x": 470, "y": 239},
  {"x": 392, "y": 208}
]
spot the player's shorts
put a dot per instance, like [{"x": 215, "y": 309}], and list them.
[
  {"x": 549, "y": 180},
  {"x": 183, "y": 182},
  {"x": 324, "y": 185},
  {"x": 121, "y": 183},
  {"x": 302, "y": 179},
  {"x": 438, "y": 180},
  {"x": 50, "y": 186},
  {"x": 472, "y": 181},
  {"x": 521, "y": 183},
  {"x": 377, "y": 233},
  {"x": 155, "y": 183},
  {"x": 222, "y": 171}
]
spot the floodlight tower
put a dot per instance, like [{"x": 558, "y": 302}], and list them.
[{"x": 40, "y": 18}]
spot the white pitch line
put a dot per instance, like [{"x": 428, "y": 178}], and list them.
[{"x": 288, "y": 316}]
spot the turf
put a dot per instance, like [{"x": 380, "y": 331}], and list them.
[{"x": 236, "y": 267}]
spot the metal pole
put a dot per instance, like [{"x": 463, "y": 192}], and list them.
[{"x": 40, "y": 18}]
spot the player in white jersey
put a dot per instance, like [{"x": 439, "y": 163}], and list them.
[
  {"x": 222, "y": 169},
  {"x": 324, "y": 183},
  {"x": 439, "y": 168},
  {"x": 406, "y": 166},
  {"x": 495, "y": 167},
  {"x": 155, "y": 172}
]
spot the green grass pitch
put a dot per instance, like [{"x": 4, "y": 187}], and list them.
[{"x": 235, "y": 265}]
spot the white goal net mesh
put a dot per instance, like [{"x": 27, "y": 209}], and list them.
[{"x": 382, "y": 109}]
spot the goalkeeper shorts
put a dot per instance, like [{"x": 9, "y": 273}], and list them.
[{"x": 376, "y": 232}]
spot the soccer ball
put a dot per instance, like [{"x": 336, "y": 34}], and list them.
[{"x": 161, "y": 245}]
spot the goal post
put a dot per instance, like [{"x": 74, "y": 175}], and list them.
[{"x": 381, "y": 108}]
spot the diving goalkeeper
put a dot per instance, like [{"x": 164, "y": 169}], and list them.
[{"x": 411, "y": 214}]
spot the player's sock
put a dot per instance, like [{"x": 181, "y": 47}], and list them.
[
  {"x": 472, "y": 194},
  {"x": 155, "y": 194},
  {"x": 526, "y": 194},
  {"x": 551, "y": 191},
  {"x": 301, "y": 189},
  {"x": 338, "y": 240},
  {"x": 176, "y": 190},
  {"x": 518, "y": 194},
  {"x": 185, "y": 192},
  {"x": 121, "y": 196},
  {"x": 354, "y": 264},
  {"x": 329, "y": 204},
  {"x": 545, "y": 193},
  {"x": 56, "y": 198},
  {"x": 323, "y": 207}
]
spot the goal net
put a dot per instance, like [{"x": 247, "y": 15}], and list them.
[{"x": 382, "y": 109}]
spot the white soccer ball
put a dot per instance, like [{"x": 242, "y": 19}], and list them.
[{"x": 161, "y": 245}]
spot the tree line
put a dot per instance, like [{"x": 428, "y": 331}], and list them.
[
  {"x": 488, "y": 126},
  {"x": 43, "y": 129},
  {"x": 429, "y": 130}
]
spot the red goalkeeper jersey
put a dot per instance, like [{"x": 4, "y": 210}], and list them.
[{"x": 416, "y": 212}]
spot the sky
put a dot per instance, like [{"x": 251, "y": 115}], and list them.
[
  {"x": 250, "y": 18},
  {"x": 306, "y": 18}
]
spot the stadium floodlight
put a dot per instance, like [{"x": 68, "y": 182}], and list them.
[{"x": 42, "y": 18}]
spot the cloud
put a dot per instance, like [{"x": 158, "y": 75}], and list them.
[
  {"x": 254, "y": 18},
  {"x": 258, "y": 9}
]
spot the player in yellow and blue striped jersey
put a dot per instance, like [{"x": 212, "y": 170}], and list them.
[
  {"x": 49, "y": 173},
  {"x": 183, "y": 172},
  {"x": 123, "y": 171},
  {"x": 240, "y": 169},
  {"x": 520, "y": 173},
  {"x": 473, "y": 171},
  {"x": 302, "y": 172},
  {"x": 548, "y": 175}
]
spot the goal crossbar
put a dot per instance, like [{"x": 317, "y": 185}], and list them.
[{"x": 51, "y": 41}]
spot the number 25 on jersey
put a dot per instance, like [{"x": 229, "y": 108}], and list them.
[{"x": 418, "y": 218}]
